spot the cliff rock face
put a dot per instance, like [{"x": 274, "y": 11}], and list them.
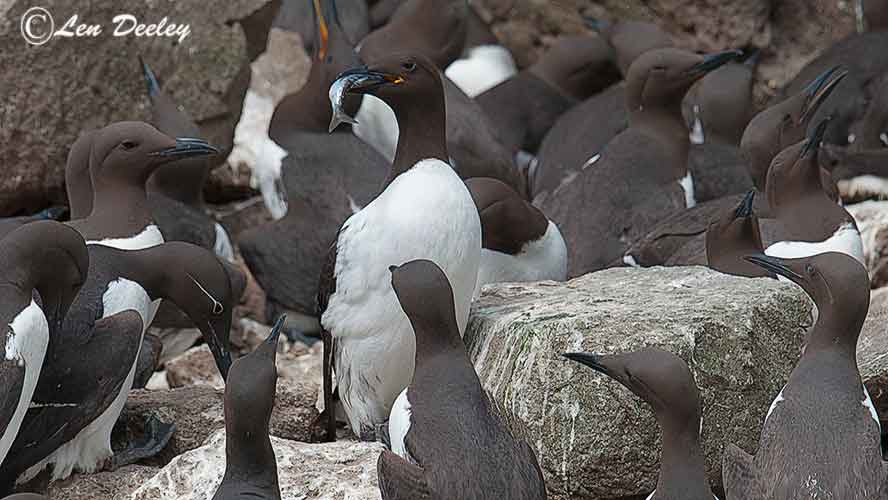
[
  {"x": 595, "y": 439},
  {"x": 53, "y": 91}
]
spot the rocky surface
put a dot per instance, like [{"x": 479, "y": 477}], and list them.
[
  {"x": 792, "y": 32},
  {"x": 345, "y": 470},
  {"x": 103, "y": 485},
  {"x": 872, "y": 221},
  {"x": 872, "y": 352},
  {"x": 594, "y": 439}
]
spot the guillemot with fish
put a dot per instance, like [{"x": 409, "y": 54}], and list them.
[
  {"x": 367, "y": 338},
  {"x": 325, "y": 177}
]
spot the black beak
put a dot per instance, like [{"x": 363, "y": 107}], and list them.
[
  {"x": 187, "y": 147},
  {"x": 219, "y": 349},
  {"x": 819, "y": 90},
  {"x": 393, "y": 269},
  {"x": 588, "y": 359},
  {"x": 364, "y": 80},
  {"x": 774, "y": 265},
  {"x": 812, "y": 145},
  {"x": 52, "y": 213},
  {"x": 272, "y": 338},
  {"x": 745, "y": 208},
  {"x": 714, "y": 61},
  {"x": 150, "y": 79}
]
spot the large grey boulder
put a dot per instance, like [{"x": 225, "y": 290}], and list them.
[
  {"x": 344, "y": 470},
  {"x": 595, "y": 439}
]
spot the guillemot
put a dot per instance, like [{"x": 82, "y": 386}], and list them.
[
  {"x": 175, "y": 190},
  {"x": 325, "y": 178},
  {"x": 447, "y": 438},
  {"x": 640, "y": 178},
  {"x": 425, "y": 211},
  {"x": 519, "y": 244},
  {"x": 733, "y": 237},
  {"x": 833, "y": 452},
  {"x": 679, "y": 239},
  {"x": 50, "y": 258},
  {"x": 664, "y": 382},
  {"x": 250, "y": 465},
  {"x": 91, "y": 360}
]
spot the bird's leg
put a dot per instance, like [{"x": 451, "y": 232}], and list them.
[
  {"x": 157, "y": 436},
  {"x": 328, "y": 386}
]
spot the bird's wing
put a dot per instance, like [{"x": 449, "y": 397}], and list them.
[
  {"x": 74, "y": 388},
  {"x": 401, "y": 480},
  {"x": 739, "y": 475}
]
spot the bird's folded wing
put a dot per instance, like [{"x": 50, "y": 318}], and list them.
[
  {"x": 401, "y": 480},
  {"x": 739, "y": 475}
]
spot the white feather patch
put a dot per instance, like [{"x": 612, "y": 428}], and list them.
[
  {"x": 539, "y": 260},
  {"x": 845, "y": 240},
  {"x": 483, "y": 68},
  {"x": 149, "y": 237},
  {"x": 26, "y": 345}
]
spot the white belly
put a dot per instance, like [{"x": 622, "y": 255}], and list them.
[
  {"x": 845, "y": 240},
  {"x": 399, "y": 424},
  {"x": 92, "y": 445},
  {"x": 149, "y": 237},
  {"x": 482, "y": 69},
  {"x": 426, "y": 213},
  {"x": 25, "y": 345},
  {"x": 377, "y": 126},
  {"x": 540, "y": 260},
  {"x": 222, "y": 246},
  {"x": 687, "y": 185}
]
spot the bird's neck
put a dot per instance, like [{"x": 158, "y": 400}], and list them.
[
  {"x": 422, "y": 136},
  {"x": 252, "y": 460},
  {"x": 682, "y": 466},
  {"x": 664, "y": 122},
  {"x": 122, "y": 206}
]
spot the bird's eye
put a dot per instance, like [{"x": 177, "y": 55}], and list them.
[
  {"x": 809, "y": 269},
  {"x": 128, "y": 145},
  {"x": 409, "y": 66},
  {"x": 659, "y": 68}
]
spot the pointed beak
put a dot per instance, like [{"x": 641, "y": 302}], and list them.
[
  {"x": 774, "y": 265},
  {"x": 819, "y": 90},
  {"x": 272, "y": 338},
  {"x": 220, "y": 352},
  {"x": 714, "y": 61},
  {"x": 364, "y": 80},
  {"x": 150, "y": 79},
  {"x": 812, "y": 145},
  {"x": 751, "y": 57},
  {"x": 744, "y": 210},
  {"x": 589, "y": 359},
  {"x": 187, "y": 147}
]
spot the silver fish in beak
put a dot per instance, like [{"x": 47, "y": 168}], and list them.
[{"x": 337, "y": 95}]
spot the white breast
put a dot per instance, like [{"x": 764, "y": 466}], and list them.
[
  {"x": 254, "y": 149},
  {"x": 868, "y": 404},
  {"x": 845, "y": 240},
  {"x": 377, "y": 126},
  {"x": 774, "y": 403},
  {"x": 539, "y": 260},
  {"x": 92, "y": 445},
  {"x": 26, "y": 346},
  {"x": 687, "y": 185},
  {"x": 483, "y": 68},
  {"x": 149, "y": 237},
  {"x": 399, "y": 424},
  {"x": 425, "y": 213},
  {"x": 222, "y": 246}
]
